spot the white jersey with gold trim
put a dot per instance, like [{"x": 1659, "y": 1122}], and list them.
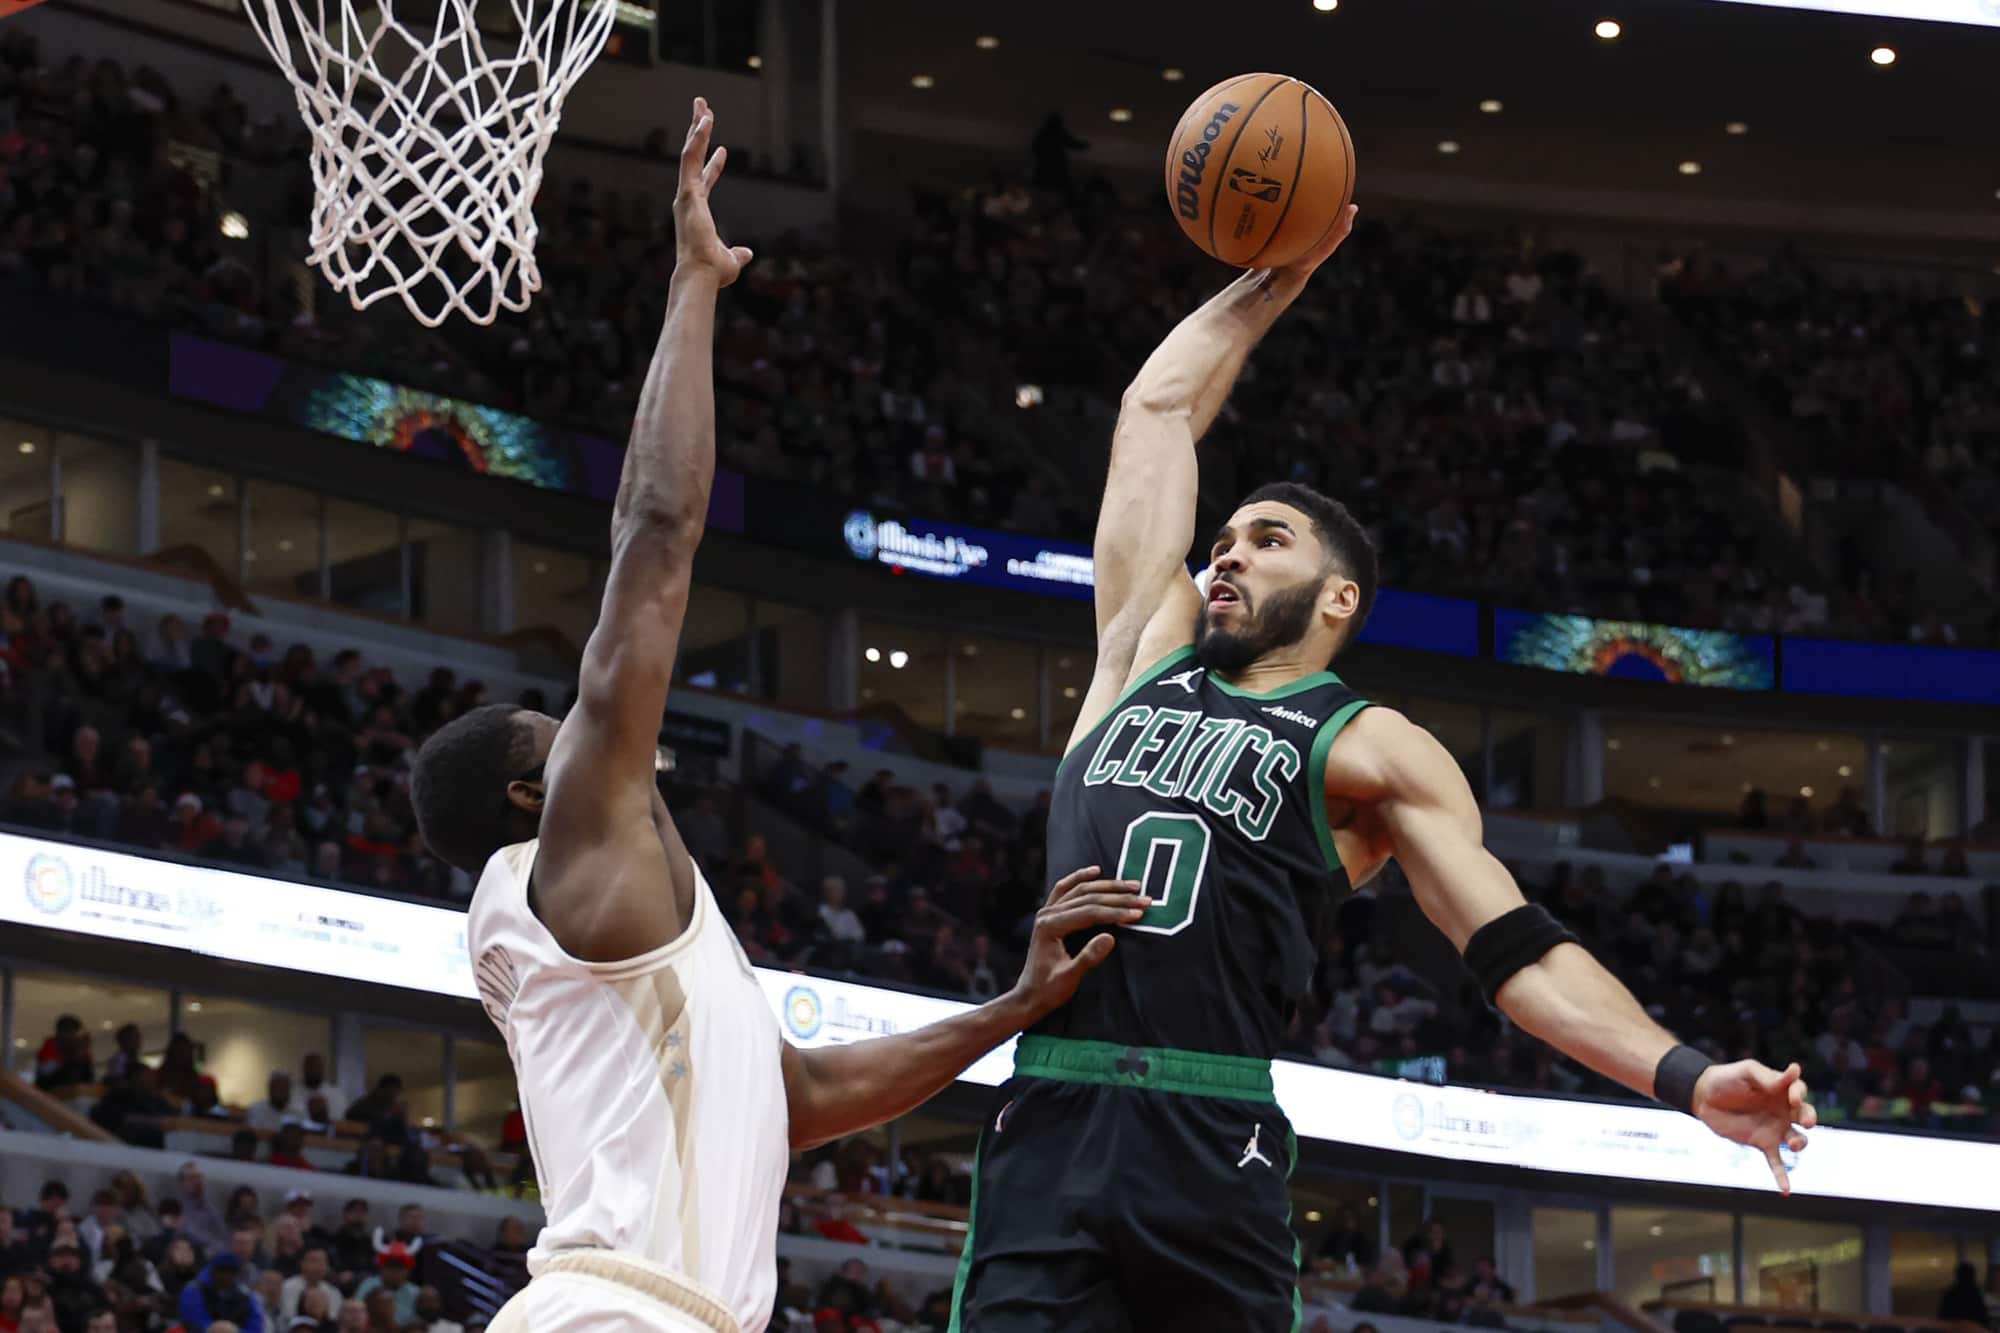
[{"x": 652, "y": 1088}]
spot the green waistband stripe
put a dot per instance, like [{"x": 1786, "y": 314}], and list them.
[{"x": 1195, "y": 1073}]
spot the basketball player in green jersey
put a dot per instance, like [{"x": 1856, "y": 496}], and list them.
[{"x": 1132, "y": 1175}]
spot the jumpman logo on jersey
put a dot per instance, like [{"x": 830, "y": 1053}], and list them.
[
  {"x": 1186, "y": 680},
  {"x": 1252, "y": 1153}
]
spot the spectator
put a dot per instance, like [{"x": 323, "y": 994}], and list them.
[
  {"x": 353, "y": 1317},
  {"x": 105, "y": 1214},
  {"x": 313, "y": 1275},
  {"x": 1795, "y": 857},
  {"x": 200, "y": 1221},
  {"x": 430, "y": 1313},
  {"x": 64, "y": 1057},
  {"x": 353, "y": 1250},
  {"x": 393, "y": 1267},
  {"x": 179, "y": 1265},
  {"x": 277, "y": 1107},
  {"x": 1963, "y": 1299},
  {"x": 267, "y": 1288},
  {"x": 216, "y": 1296},
  {"x": 72, "y": 1293},
  {"x": 833, "y": 1223},
  {"x": 376, "y": 1103},
  {"x": 1912, "y": 860},
  {"x": 288, "y": 1147}
]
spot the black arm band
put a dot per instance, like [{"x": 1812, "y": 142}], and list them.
[
  {"x": 1506, "y": 944},
  {"x": 1674, "y": 1077}
]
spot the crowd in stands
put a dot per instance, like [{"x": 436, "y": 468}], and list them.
[
  {"x": 123, "y": 1263},
  {"x": 1501, "y": 422},
  {"x": 1873, "y": 376}
]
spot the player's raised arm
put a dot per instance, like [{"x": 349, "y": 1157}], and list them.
[
  {"x": 1423, "y": 813},
  {"x": 602, "y": 875},
  {"x": 838, "y": 1090},
  {"x": 1146, "y": 522}
]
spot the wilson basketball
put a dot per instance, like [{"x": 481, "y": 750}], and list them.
[{"x": 1258, "y": 169}]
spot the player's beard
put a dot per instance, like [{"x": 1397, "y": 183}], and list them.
[{"x": 1281, "y": 620}]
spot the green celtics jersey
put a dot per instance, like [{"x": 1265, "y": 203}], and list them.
[{"x": 1212, "y": 797}]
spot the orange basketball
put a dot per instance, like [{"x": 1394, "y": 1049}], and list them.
[
  {"x": 10, "y": 7},
  {"x": 1258, "y": 169}
]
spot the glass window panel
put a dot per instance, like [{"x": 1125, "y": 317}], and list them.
[
  {"x": 40, "y": 998},
  {"x": 791, "y": 654},
  {"x": 1406, "y": 1212},
  {"x": 1672, "y": 1254},
  {"x": 485, "y": 1092},
  {"x": 1565, "y": 1242},
  {"x": 1709, "y": 769},
  {"x": 281, "y": 555},
  {"x": 444, "y": 576},
  {"x": 415, "y": 1057},
  {"x": 1920, "y": 1268},
  {"x": 907, "y": 675},
  {"x": 198, "y": 509},
  {"x": 556, "y": 590},
  {"x": 240, "y": 1043},
  {"x": 1530, "y": 751},
  {"x": 1468, "y": 1228},
  {"x": 998, "y": 691},
  {"x": 1924, "y": 778},
  {"x": 1069, "y": 681},
  {"x": 1339, "y": 1224},
  {"x": 364, "y": 551},
  {"x": 715, "y": 640},
  {"x": 100, "y": 497},
  {"x": 1799, "y": 1265},
  {"x": 1457, "y": 727},
  {"x": 25, "y": 452}
]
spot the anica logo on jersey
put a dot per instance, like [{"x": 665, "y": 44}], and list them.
[{"x": 1235, "y": 768}]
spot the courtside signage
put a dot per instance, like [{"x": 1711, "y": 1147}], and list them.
[{"x": 333, "y": 933}]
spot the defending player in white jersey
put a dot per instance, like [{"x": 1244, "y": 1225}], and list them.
[{"x": 659, "y": 1097}]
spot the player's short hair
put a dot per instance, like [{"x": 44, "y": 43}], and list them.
[
  {"x": 1341, "y": 536},
  {"x": 459, "y": 783}
]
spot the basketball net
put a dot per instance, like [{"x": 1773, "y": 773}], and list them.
[{"x": 428, "y": 140}]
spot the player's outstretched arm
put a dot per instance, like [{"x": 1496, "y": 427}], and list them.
[
  {"x": 602, "y": 872},
  {"x": 1146, "y": 603},
  {"x": 838, "y": 1090},
  {"x": 1536, "y": 973}
]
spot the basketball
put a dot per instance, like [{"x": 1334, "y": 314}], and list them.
[
  {"x": 1258, "y": 168},
  {"x": 9, "y": 8}
]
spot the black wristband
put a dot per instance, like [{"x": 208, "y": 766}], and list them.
[{"x": 1674, "y": 1077}]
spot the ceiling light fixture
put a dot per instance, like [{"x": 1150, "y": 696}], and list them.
[
  {"x": 1326, "y": 6},
  {"x": 1069, "y": 691},
  {"x": 1017, "y": 713},
  {"x": 235, "y": 226},
  {"x": 1883, "y": 56},
  {"x": 1609, "y": 30},
  {"x": 1121, "y": 114},
  {"x": 1173, "y": 74},
  {"x": 1492, "y": 106},
  {"x": 1845, "y": 771},
  {"x": 1690, "y": 168},
  {"x": 922, "y": 81},
  {"x": 27, "y": 446},
  {"x": 1806, "y": 792},
  {"x": 755, "y": 62},
  {"x": 1736, "y": 127},
  {"x": 899, "y": 659},
  {"x": 873, "y": 654},
  {"x": 986, "y": 41},
  {"x": 1448, "y": 146}
]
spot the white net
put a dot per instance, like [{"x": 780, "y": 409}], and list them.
[{"x": 428, "y": 139}]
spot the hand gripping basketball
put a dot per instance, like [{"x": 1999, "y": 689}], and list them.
[{"x": 697, "y": 246}]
